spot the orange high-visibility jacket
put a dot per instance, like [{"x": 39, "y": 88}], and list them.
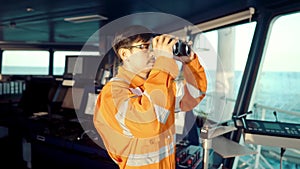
[{"x": 135, "y": 116}]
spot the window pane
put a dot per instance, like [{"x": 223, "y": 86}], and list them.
[
  {"x": 224, "y": 53},
  {"x": 17, "y": 62},
  {"x": 277, "y": 88},
  {"x": 59, "y": 58}
]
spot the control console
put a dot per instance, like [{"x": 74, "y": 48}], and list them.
[
  {"x": 272, "y": 128},
  {"x": 188, "y": 156},
  {"x": 269, "y": 133}
]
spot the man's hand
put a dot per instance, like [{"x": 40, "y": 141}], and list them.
[{"x": 163, "y": 45}]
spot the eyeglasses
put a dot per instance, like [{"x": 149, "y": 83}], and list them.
[{"x": 141, "y": 46}]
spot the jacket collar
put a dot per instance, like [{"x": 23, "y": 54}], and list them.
[{"x": 134, "y": 79}]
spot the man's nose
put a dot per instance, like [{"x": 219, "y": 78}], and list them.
[{"x": 151, "y": 54}]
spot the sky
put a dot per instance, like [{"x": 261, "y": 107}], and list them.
[{"x": 283, "y": 51}]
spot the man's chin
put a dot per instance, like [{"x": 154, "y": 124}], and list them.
[{"x": 145, "y": 72}]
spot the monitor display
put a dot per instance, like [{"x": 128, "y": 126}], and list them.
[
  {"x": 91, "y": 103},
  {"x": 73, "y": 98},
  {"x": 88, "y": 103},
  {"x": 82, "y": 67},
  {"x": 272, "y": 126},
  {"x": 59, "y": 94},
  {"x": 73, "y": 65},
  {"x": 90, "y": 67}
]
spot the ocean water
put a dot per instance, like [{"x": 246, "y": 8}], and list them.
[
  {"x": 280, "y": 90},
  {"x": 20, "y": 70}
]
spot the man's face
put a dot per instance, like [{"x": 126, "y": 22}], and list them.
[{"x": 140, "y": 59}]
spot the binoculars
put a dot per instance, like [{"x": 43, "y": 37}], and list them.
[{"x": 180, "y": 48}]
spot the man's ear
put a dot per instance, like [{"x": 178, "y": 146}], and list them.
[{"x": 123, "y": 53}]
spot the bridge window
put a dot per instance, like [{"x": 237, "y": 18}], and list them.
[
  {"x": 224, "y": 53},
  {"x": 59, "y": 58},
  {"x": 277, "y": 88},
  {"x": 19, "y": 62}
]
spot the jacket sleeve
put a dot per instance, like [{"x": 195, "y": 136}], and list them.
[{"x": 192, "y": 89}]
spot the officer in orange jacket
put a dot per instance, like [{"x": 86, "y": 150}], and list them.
[{"x": 135, "y": 110}]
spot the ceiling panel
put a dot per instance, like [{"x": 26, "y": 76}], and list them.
[{"x": 45, "y": 20}]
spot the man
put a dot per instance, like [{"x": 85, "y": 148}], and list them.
[{"x": 135, "y": 110}]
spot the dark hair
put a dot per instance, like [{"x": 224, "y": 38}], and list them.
[{"x": 129, "y": 35}]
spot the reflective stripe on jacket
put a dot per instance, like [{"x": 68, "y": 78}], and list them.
[{"x": 135, "y": 117}]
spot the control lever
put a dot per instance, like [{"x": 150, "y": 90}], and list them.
[
  {"x": 242, "y": 115},
  {"x": 282, "y": 149},
  {"x": 239, "y": 120},
  {"x": 275, "y": 114},
  {"x": 86, "y": 132}
]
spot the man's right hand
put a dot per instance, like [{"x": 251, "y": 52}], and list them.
[{"x": 163, "y": 45}]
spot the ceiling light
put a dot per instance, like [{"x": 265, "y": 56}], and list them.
[
  {"x": 88, "y": 18},
  {"x": 29, "y": 9}
]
